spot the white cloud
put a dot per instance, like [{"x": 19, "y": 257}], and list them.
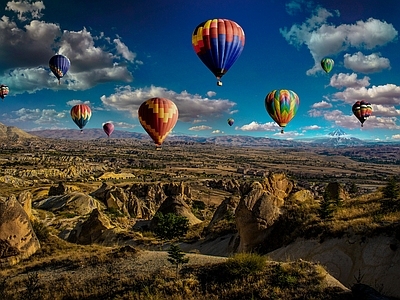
[
  {"x": 372, "y": 63},
  {"x": 26, "y": 9},
  {"x": 385, "y": 111},
  {"x": 124, "y": 51},
  {"x": 322, "y": 104},
  {"x": 323, "y": 39},
  {"x": 348, "y": 80},
  {"x": 76, "y": 102},
  {"x": 217, "y": 131},
  {"x": 200, "y": 128},
  {"x": 190, "y": 107},
  {"x": 254, "y": 126},
  {"x": 123, "y": 125},
  {"x": 396, "y": 136},
  {"x": 211, "y": 94},
  {"x": 38, "y": 116},
  {"x": 289, "y": 135},
  {"x": 312, "y": 127},
  {"x": 388, "y": 94}
]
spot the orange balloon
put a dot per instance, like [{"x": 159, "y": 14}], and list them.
[{"x": 158, "y": 117}]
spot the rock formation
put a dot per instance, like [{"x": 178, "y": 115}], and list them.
[
  {"x": 17, "y": 238},
  {"x": 25, "y": 199},
  {"x": 93, "y": 230},
  {"x": 61, "y": 189},
  {"x": 259, "y": 208},
  {"x": 224, "y": 211}
]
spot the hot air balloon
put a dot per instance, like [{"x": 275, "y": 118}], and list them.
[
  {"x": 108, "y": 128},
  {"x": 231, "y": 121},
  {"x": 81, "y": 114},
  {"x": 362, "y": 110},
  {"x": 282, "y": 106},
  {"x": 3, "y": 91},
  {"x": 218, "y": 43},
  {"x": 327, "y": 64},
  {"x": 158, "y": 117},
  {"x": 59, "y": 65}
]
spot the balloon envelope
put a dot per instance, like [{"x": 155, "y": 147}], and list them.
[
  {"x": 158, "y": 117},
  {"x": 327, "y": 64},
  {"x": 3, "y": 91},
  {"x": 362, "y": 110},
  {"x": 108, "y": 128},
  {"x": 59, "y": 65},
  {"x": 218, "y": 43},
  {"x": 231, "y": 121},
  {"x": 282, "y": 106},
  {"x": 81, "y": 114}
]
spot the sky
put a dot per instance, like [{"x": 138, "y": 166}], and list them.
[{"x": 125, "y": 52}]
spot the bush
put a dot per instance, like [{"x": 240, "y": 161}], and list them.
[
  {"x": 170, "y": 226},
  {"x": 244, "y": 264},
  {"x": 41, "y": 231}
]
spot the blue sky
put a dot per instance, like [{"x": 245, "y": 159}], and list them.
[{"x": 125, "y": 52}]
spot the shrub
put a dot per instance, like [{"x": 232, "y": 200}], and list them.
[
  {"x": 41, "y": 231},
  {"x": 243, "y": 264}
]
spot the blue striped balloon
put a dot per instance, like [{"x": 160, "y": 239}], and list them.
[{"x": 59, "y": 65}]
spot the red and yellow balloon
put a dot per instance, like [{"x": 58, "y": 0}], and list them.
[{"x": 158, "y": 117}]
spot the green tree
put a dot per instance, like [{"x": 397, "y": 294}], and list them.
[
  {"x": 391, "y": 190},
  {"x": 177, "y": 257},
  {"x": 353, "y": 189},
  {"x": 170, "y": 226},
  {"x": 327, "y": 207}
]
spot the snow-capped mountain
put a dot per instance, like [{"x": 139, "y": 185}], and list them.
[{"x": 338, "y": 133}]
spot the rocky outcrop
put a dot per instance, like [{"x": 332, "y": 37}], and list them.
[
  {"x": 335, "y": 190},
  {"x": 17, "y": 238},
  {"x": 230, "y": 185},
  {"x": 178, "y": 206},
  {"x": 93, "y": 230},
  {"x": 225, "y": 211},
  {"x": 25, "y": 199},
  {"x": 375, "y": 261},
  {"x": 60, "y": 189},
  {"x": 75, "y": 202},
  {"x": 258, "y": 209}
]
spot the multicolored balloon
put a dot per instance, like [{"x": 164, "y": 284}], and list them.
[
  {"x": 59, "y": 65},
  {"x": 3, "y": 91},
  {"x": 282, "y": 106},
  {"x": 231, "y": 121},
  {"x": 158, "y": 117},
  {"x": 81, "y": 114},
  {"x": 327, "y": 64},
  {"x": 218, "y": 43},
  {"x": 108, "y": 128},
  {"x": 362, "y": 110}
]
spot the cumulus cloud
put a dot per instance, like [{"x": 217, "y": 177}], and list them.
[
  {"x": 385, "y": 111},
  {"x": 26, "y": 9},
  {"x": 217, "y": 131},
  {"x": 396, "y": 137},
  {"x": 211, "y": 94},
  {"x": 324, "y": 39},
  {"x": 38, "y": 116},
  {"x": 358, "y": 62},
  {"x": 191, "y": 107},
  {"x": 322, "y": 104},
  {"x": 200, "y": 128},
  {"x": 342, "y": 80},
  {"x": 388, "y": 94},
  {"x": 25, "y": 52},
  {"x": 254, "y": 126},
  {"x": 76, "y": 102},
  {"x": 123, "y": 125}
]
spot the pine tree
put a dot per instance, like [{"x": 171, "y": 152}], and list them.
[
  {"x": 326, "y": 208},
  {"x": 392, "y": 189},
  {"x": 177, "y": 257}
]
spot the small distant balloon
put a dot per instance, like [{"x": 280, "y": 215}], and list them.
[
  {"x": 158, "y": 117},
  {"x": 327, "y": 64},
  {"x": 362, "y": 110},
  {"x": 282, "y": 106},
  {"x": 3, "y": 91},
  {"x": 108, "y": 128},
  {"x": 81, "y": 114},
  {"x": 218, "y": 43},
  {"x": 231, "y": 121},
  {"x": 59, "y": 65}
]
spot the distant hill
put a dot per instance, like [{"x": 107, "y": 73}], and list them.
[
  {"x": 87, "y": 134},
  {"x": 13, "y": 133}
]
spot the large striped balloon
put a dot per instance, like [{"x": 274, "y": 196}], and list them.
[
  {"x": 218, "y": 43},
  {"x": 362, "y": 110},
  {"x": 282, "y": 106},
  {"x": 81, "y": 114},
  {"x": 59, "y": 65},
  {"x": 158, "y": 117}
]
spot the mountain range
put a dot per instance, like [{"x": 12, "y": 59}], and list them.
[{"x": 336, "y": 138}]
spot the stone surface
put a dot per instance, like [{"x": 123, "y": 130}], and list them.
[{"x": 17, "y": 238}]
